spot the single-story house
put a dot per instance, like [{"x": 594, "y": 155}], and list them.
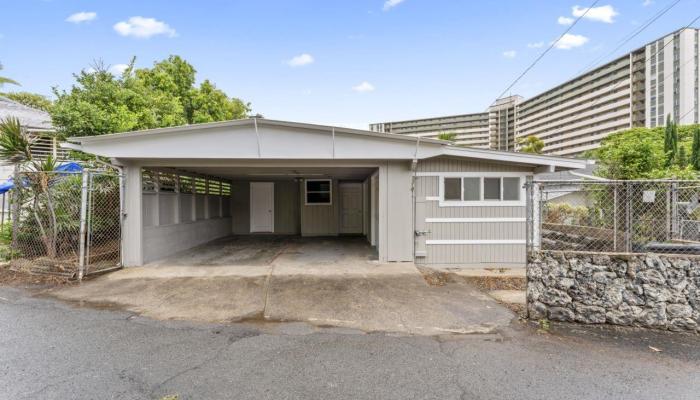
[{"x": 416, "y": 200}]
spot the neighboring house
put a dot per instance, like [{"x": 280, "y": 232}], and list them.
[
  {"x": 419, "y": 200},
  {"x": 38, "y": 124},
  {"x": 564, "y": 186}
]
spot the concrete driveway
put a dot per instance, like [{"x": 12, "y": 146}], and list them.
[{"x": 326, "y": 282}]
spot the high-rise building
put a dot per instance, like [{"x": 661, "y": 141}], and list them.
[{"x": 638, "y": 89}]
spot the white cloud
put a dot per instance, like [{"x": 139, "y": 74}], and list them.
[
  {"x": 510, "y": 54},
  {"x": 364, "y": 87},
  {"x": 647, "y": 3},
  {"x": 141, "y": 27},
  {"x": 569, "y": 41},
  {"x": 565, "y": 21},
  {"x": 389, "y": 4},
  {"x": 118, "y": 69},
  {"x": 301, "y": 60},
  {"x": 605, "y": 14},
  {"x": 83, "y": 16},
  {"x": 535, "y": 45}
]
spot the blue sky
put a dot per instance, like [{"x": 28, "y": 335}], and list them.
[{"x": 337, "y": 62}]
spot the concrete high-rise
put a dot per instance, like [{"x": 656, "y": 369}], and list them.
[{"x": 638, "y": 89}]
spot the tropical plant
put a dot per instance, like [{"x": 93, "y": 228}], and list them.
[
  {"x": 4, "y": 80},
  {"x": 531, "y": 144},
  {"x": 15, "y": 148}
]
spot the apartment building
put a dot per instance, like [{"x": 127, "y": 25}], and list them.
[{"x": 638, "y": 89}]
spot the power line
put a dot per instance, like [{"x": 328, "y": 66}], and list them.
[
  {"x": 551, "y": 46},
  {"x": 631, "y": 36}
]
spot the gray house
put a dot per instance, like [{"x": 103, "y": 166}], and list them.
[{"x": 416, "y": 200}]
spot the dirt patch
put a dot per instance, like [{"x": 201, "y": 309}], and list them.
[
  {"x": 27, "y": 280},
  {"x": 434, "y": 277},
  {"x": 489, "y": 283}
]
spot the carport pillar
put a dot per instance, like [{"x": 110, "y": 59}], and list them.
[
  {"x": 383, "y": 220},
  {"x": 132, "y": 239}
]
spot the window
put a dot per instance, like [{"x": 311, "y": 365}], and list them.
[
  {"x": 453, "y": 189},
  {"x": 466, "y": 190},
  {"x": 318, "y": 191},
  {"x": 492, "y": 188}
]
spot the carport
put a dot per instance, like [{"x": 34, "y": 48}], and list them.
[{"x": 191, "y": 185}]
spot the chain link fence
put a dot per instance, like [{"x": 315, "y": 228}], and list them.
[
  {"x": 66, "y": 223},
  {"x": 614, "y": 216}
]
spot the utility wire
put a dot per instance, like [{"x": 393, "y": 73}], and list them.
[
  {"x": 551, "y": 46},
  {"x": 631, "y": 36}
]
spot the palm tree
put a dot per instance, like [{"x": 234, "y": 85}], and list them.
[
  {"x": 15, "y": 148},
  {"x": 4, "y": 80}
]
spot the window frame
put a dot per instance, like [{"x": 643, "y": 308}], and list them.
[
  {"x": 330, "y": 192},
  {"x": 482, "y": 202}
]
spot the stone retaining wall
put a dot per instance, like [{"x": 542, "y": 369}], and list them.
[{"x": 648, "y": 290}]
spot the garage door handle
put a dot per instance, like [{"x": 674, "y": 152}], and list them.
[{"x": 422, "y": 233}]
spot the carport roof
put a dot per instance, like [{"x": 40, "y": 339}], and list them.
[{"x": 262, "y": 138}]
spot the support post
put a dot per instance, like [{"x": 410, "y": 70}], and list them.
[
  {"x": 615, "y": 217},
  {"x": 83, "y": 224},
  {"x": 628, "y": 218}
]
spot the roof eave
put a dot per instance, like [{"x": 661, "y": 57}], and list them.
[{"x": 520, "y": 158}]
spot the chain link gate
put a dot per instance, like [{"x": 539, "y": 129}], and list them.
[{"x": 67, "y": 223}]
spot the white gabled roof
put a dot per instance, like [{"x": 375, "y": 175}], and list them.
[{"x": 261, "y": 138}]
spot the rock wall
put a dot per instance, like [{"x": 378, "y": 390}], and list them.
[{"x": 648, "y": 290}]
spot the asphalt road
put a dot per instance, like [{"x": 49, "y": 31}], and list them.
[{"x": 51, "y": 350}]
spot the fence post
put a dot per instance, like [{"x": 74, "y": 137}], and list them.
[
  {"x": 674, "y": 211},
  {"x": 615, "y": 200},
  {"x": 83, "y": 224},
  {"x": 628, "y": 218}
]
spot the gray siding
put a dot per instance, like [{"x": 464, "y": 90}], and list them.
[
  {"x": 469, "y": 255},
  {"x": 286, "y": 207},
  {"x": 399, "y": 200},
  {"x": 319, "y": 220}
]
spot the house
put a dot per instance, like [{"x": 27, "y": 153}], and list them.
[
  {"x": 38, "y": 125},
  {"x": 420, "y": 200}
]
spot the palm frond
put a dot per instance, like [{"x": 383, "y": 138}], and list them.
[{"x": 15, "y": 145}]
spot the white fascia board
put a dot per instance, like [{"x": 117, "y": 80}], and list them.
[{"x": 521, "y": 158}]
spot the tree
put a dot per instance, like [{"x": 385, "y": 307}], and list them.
[
  {"x": 30, "y": 100},
  {"x": 670, "y": 141},
  {"x": 4, "y": 80},
  {"x": 146, "y": 98},
  {"x": 531, "y": 144},
  {"x": 449, "y": 136},
  {"x": 695, "y": 154},
  {"x": 639, "y": 153}
]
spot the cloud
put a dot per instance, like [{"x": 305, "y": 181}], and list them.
[
  {"x": 389, "y": 4},
  {"x": 118, "y": 69},
  {"x": 535, "y": 45},
  {"x": 647, "y": 3},
  {"x": 569, "y": 41},
  {"x": 364, "y": 87},
  {"x": 605, "y": 14},
  {"x": 565, "y": 21},
  {"x": 141, "y": 27},
  {"x": 301, "y": 60},
  {"x": 510, "y": 54},
  {"x": 83, "y": 16}
]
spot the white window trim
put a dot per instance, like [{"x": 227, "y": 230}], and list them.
[
  {"x": 330, "y": 192},
  {"x": 482, "y": 202}
]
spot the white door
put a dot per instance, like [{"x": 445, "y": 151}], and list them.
[
  {"x": 262, "y": 207},
  {"x": 351, "y": 220}
]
